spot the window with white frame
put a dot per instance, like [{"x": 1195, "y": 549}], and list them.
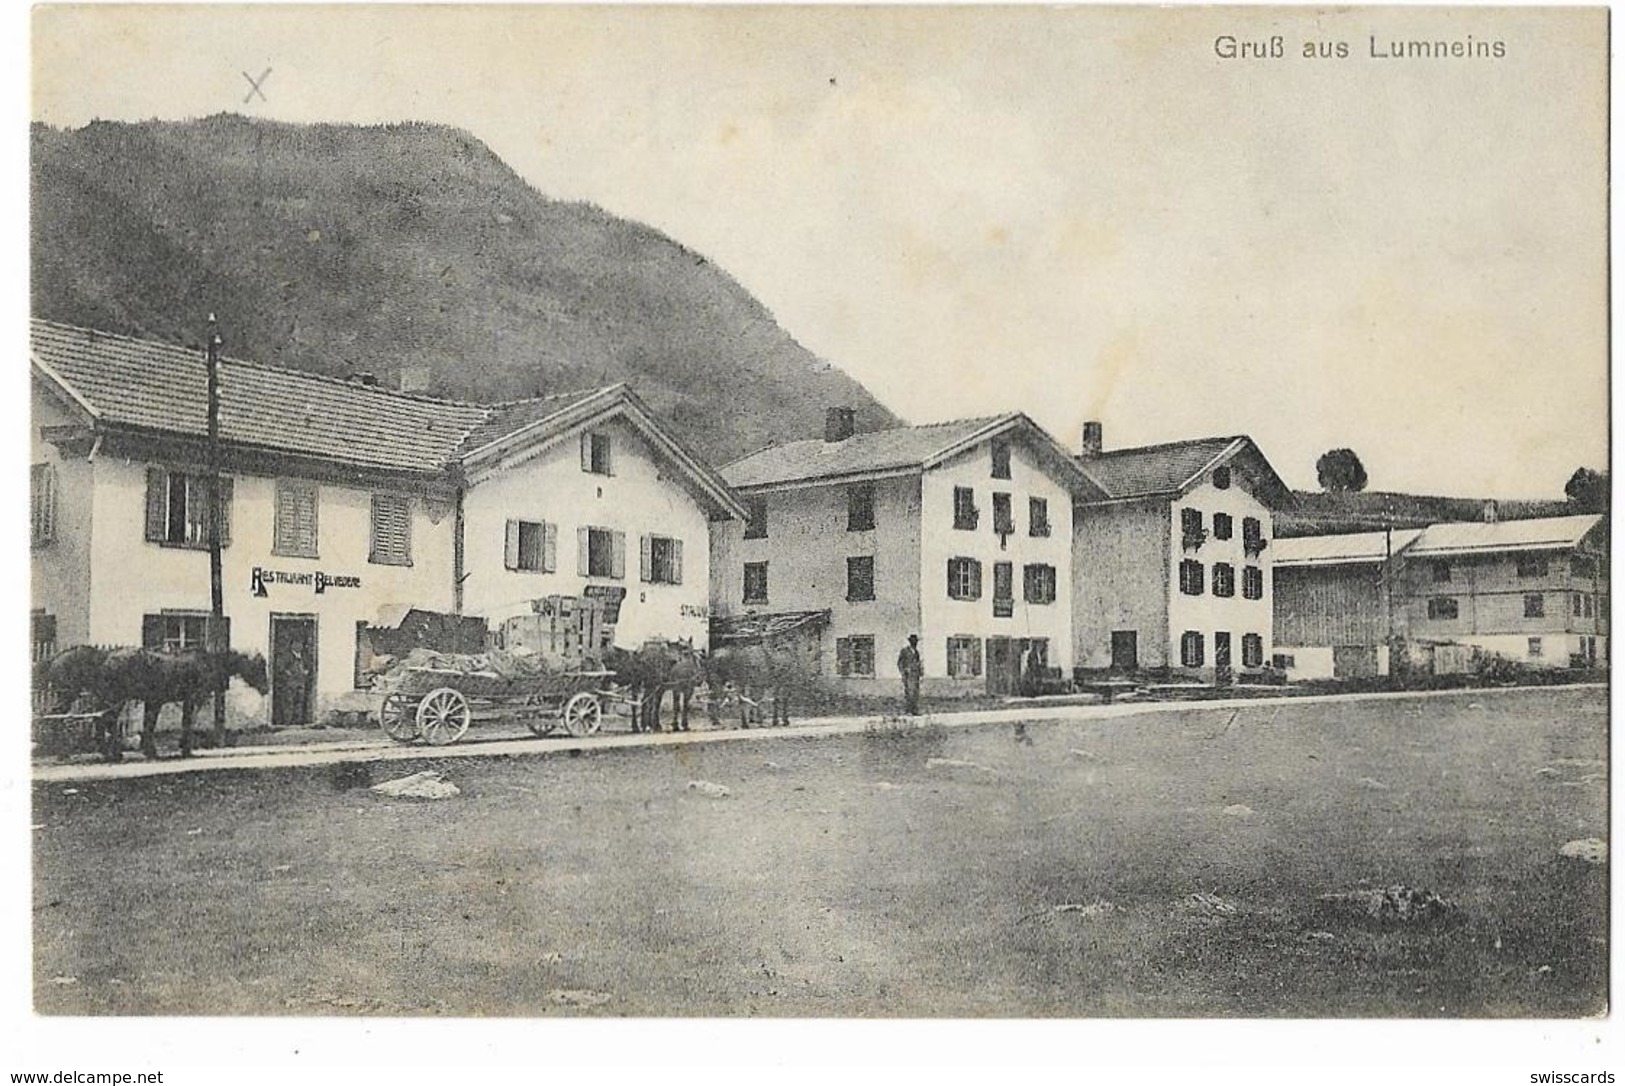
[
  {"x": 296, "y": 512},
  {"x": 1190, "y": 577},
  {"x": 964, "y": 657},
  {"x": 1224, "y": 579},
  {"x": 1038, "y": 583},
  {"x": 964, "y": 579},
  {"x": 601, "y": 552},
  {"x": 178, "y": 508},
  {"x": 531, "y": 546},
  {"x": 1252, "y": 650},
  {"x": 1191, "y": 649},
  {"x": 42, "y": 504},
  {"x": 965, "y": 512},
  {"x": 174, "y": 631},
  {"x": 660, "y": 559},
  {"x": 1252, "y": 583},
  {"x": 391, "y": 530}
]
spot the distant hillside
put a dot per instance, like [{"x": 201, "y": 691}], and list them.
[
  {"x": 1320, "y": 513},
  {"x": 337, "y": 248}
]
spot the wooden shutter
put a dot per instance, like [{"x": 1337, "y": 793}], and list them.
[
  {"x": 550, "y": 548},
  {"x": 617, "y": 557},
  {"x": 975, "y": 579},
  {"x": 157, "y": 504},
  {"x": 951, "y": 579},
  {"x": 510, "y": 546},
  {"x": 975, "y": 656},
  {"x": 843, "y": 655},
  {"x": 677, "y": 561},
  {"x": 646, "y": 558},
  {"x": 152, "y": 626},
  {"x": 586, "y": 452},
  {"x": 584, "y": 550}
]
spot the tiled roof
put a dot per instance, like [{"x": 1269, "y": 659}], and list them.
[
  {"x": 161, "y": 387},
  {"x": 1542, "y": 533},
  {"x": 1153, "y": 469},
  {"x": 1330, "y": 550},
  {"x": 882, "y": 450}
]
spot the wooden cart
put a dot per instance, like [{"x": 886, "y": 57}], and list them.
[{"x": 438, "y": 705}]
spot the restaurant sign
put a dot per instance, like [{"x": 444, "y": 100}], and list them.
[{"x": 260, "y": 578}]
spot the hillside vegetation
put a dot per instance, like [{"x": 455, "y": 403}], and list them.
[{"x": 338, "y": 248}]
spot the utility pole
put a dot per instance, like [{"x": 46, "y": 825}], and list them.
[{"x": 214, "y": 640}]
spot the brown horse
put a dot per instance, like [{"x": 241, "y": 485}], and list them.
[
  {"x": 651, "y": 671},
  {"x": 753, "y": 674},
  {"x": 112, "y": 678}
]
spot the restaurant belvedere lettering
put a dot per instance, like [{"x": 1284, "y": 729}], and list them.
[{"x": 260, "y": 578}]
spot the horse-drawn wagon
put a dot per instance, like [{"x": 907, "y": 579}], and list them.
[{"x": 437, "y": 698}]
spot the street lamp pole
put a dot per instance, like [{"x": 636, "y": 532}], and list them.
[{"x": 215, "y": 640}]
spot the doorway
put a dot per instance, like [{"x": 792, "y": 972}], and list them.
[
  {"x": 1222, "y": 673},
  {"x": 1002, "y": 662},
  {"x": 1125, "y": 650},
  {"x": 293, "y": 670}
]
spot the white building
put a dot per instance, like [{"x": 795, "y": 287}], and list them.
[
  {"x": 959, "y": 532},
  {"x": 345, "y": 505}
]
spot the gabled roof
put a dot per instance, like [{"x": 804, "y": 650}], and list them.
[
  {"x": 898, "y": 450},
  {"x": 142, "y": 386},
  {"x": 1170, "y": 469},
  {"x": 1334, "y": 550},
  {"x": 1477, "y": 537}
]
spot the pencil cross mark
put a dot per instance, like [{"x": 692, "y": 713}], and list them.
[{"x": 254, "y": 86}]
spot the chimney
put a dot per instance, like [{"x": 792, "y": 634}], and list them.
[
  {"x": 1492, "y": 511},
  {"x": 1093, "y": 440},
  {"x": 415, "y": 378},
  {"x": 840, "y": 423},
  {"x": 369, "y": 380}
]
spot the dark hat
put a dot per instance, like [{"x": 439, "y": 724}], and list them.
[{"x": 913, "y": 638}]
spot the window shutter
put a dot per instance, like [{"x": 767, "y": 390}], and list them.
[
  {"x": 152, "y": 626},
  {"x": 950, "y": 578},
  {"x": 157, "y": 492},
  {"x": 609, "y": 456},
  {"x": 843, "y": 655},
  {"x": 586, "y": 452},
  {"x": 646, "y": 559},
  {"x": 550, "y": 548},
  {"x": 677, "y": 561},
  {"x": 975, "y": 657},
  {"x": 510, "y": 546},
  {"x": 617, "y": 558},
  {"x": 976, "y": 579},
  {"x": 584, "y": 550}
]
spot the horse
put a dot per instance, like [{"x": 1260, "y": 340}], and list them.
[
  {"x": 685, "y": 673},
  {"x": 77, "y": 675},
  {"x": 650, "y": 671},
  {"x": 112, "y": 678},
  {"x": 775, "y": 674}
]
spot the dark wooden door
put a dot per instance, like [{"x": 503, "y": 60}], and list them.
[
  {"x": 1125, "y": 650},
  {"x": 293, "y": 670},
  {"x": 1002, "y": 663},
  {"x": 1222, "y": 672}
]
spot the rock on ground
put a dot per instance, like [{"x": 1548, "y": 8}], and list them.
[
  {"x": 1395, "y": 904},
  {"x": 430, "y": 784},
  {"x": 710, "y": 788},
  {"x": 1590, "y": 849}
]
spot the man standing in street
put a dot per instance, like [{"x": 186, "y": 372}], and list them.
[{"x": 909, "y": 666}]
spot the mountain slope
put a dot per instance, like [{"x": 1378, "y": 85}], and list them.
[
  {"x": 1333, "y": 513},
  {"x": 338, "y": 248}
]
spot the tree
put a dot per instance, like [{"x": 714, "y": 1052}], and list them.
[
  {"x": 1340, "y": 469},
  {"x": 1588, "y": 490}
]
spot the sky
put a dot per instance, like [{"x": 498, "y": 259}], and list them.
[{"x": 1077, "y": 213}]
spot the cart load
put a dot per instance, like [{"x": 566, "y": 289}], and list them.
[{"x": 436, "y": 696}]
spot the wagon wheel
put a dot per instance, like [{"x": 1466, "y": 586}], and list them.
[
  {"x": 443, "y": 716},
  {"x": 583, "y": 714},
  {"x": 537, "y": 713},
  {"x": 395, "y": 717}
]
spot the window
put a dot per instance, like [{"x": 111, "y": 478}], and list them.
[
  {"x": 756, "y": 518},
  {"x": 860, "y": 507},
  {"x": 42, "y": 504},
  {"x": 1038, "y": 583},
  {"x": 1535, "y": 646},
  {"x": 42, "y": 636},
  {"x": 1192, "y": 534},
  {"x": 1441, "y": 572},
  {"x": 295, "y": 533},
  {"x": 391, "y": 530},
  {"x": 178, "y": 508},
  {"x": 1191, "y": 653},
  {"x": 1223, "y": 526},
  {"x": 173, "y": 631},
  {"x": 964, "y": 657},
  {"x": 1252, "y": 536},
  {"x": 1037, "y": 517},
  {"x": 855, "y": 657},
  {"x": 1252, "y": 650},
  {"x": 1532, "y": 565},
  {"x": 1001, "y": 460},
  {"x": 1285, "y": 661},
  {"x": 1004, "y": 592},
  {"x": 600, "y": 552},
  {"x": 1221, "y": 481},
  {"x": 1224, "y": 579},
  {"x": 1004, "y": 520},
  {"x": 1534, "y": 606},
  {"x": 1581, "y": 566},
  {"x": 595, "y": 454},
  {"x": 965, "y": 515},
  {"x": 660, "y": 560},
  {"x": 964, "y": 579},
  {"x": 1590, "y": 606},
  {"x": 1252, "y": 583},
  {"x": 1190, "y": 577},
  {"x": 860, "y": 579},
  {"x": 755, "y": 582},
  {"x": 1443, "y": 607},
  {"x": 532, "y": 546}
]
